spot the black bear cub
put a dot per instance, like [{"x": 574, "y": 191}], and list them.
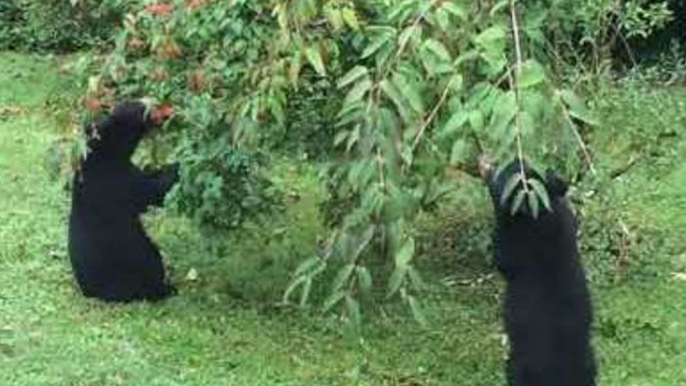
[
  {"x": 112, "y": 257},
  {"x": 547, "y": 310}
]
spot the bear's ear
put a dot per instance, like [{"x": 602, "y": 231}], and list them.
[{"x": 556, "y": 186}]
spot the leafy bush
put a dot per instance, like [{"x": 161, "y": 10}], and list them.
[
  {"x": 212, "y": 62},
  {"x": 222, "y": 186},
  {"x": 433, "y": 85},
  {"x": 58, "y": 25},
  {"x": 597, "y": 35},
  {"x": 425, "y": 86},
  {"x": 310, "y": 120},
  {"x": 11, "y": 18}
]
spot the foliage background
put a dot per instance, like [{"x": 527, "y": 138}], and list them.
[
  {"x": 390, "y": 99},
  {"x": 267, "y": 107}
]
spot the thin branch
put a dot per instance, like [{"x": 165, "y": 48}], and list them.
[
  {"x": 389, "y": 66},
  {"x": 403, "y": 47},
  {"x": 375, "y": 91},
  {"x": 432, "y": 115},
  {"x": 515, "y": 86},
  {"x": 515, "y": 32},
  {"x": 414, "y": 25},
  {"x": 580, "y": 140}
]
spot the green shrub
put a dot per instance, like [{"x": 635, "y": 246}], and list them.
[
  {"x": 11, "y": 18},
  {"x": 404, "y": 89},
  {"x": 58, "y": 25}
]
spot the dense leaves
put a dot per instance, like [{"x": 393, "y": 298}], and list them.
[
  {"x": 58, "y": 25},
  {"x": 411, "y": 89}
]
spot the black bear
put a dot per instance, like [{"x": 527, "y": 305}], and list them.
[
  {"x": 547, "y": 310},
  {"x": 112, "y": 257}
]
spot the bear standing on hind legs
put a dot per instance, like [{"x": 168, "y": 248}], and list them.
[
  {"x": 547, "y": 309},
  {"x": 112, "y": 257}
]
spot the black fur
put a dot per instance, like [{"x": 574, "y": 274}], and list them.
[
  {"x": 547, "y": 310},
  {"x": 112, "y": 257}
]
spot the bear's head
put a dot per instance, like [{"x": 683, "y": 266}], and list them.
[{"x": 118, "y": 134}]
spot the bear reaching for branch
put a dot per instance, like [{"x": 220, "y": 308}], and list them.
[
  {"x": 112, "y": 257},
  {"x": 547, "y": 310}
]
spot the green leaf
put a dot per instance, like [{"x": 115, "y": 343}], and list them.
[
  {"x": 358, "y": 91},
  {"x": 353, "y": 307},
  {"x": 532, "y": 74},
  {"x": 350, "y": 18},
  {"x": 334, "y": 16},
  {"x": 354, "y": 138},
  {"x": 455, "y": 9},
  {"x": 498, "y": 7},
  {"x": 332, "y": 300},
  {"x": 466, "y": 57},
  {"x": 366, "y": 238},
  {"x": 340, "y": 137},
  {"x": 350, "y": 107},
  {"x": 360, "y": 172},
  {"x": 417, "y": 311},
  {"x": 355, "y": 74},
  {"x": 510, "y": 186},
  {"x": 407, "y": 34},
  {"x": 533, "y": 203},
  {"x": 343, "y": 276},
  {"x": 577, "y": 108},
  {"x": 351, "y": 112},
  {"x": 517, "y": 204},
  {"x": 436, "y": 60},
  {"x": 376, "y": 44},
  {"x": 404, "y": 256},
  {"x": 307, "y": 287},
  {"x": 476, "y": 120},
  {"x": 294, "y": 69},
  {"x": 396, "y": 280},
  {"x": 416, "y": 279},
  {"x": 456, "y": 121},
  {"x": 391, "y": 91},
  {"x": 315, "y": 58},
  {"x": 526, "y": 124},
  {"x": 443, "y": 20},
  {"x": 410, "y": 93},
  {"x": 504, "y": 111},
  {"x": 460, "y": 152},
  {"x": 490, "y": 35},
  {"x": 292, "y": 287},
  {"x": 307, "y": 265},
  {"x": 276, "y": 109},
  {"x": 438, "y": 49},
  {"x": 372, "y": 200},
  {"x": 542, "y": 193},
  {"x": 364, "y": 278},
  {"x": 456, "y": 82}
]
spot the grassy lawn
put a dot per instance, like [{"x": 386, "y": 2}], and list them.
[{"x": 225, "y": 327}]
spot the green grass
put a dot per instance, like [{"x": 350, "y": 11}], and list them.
[{"x": 225, "y": 327}]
